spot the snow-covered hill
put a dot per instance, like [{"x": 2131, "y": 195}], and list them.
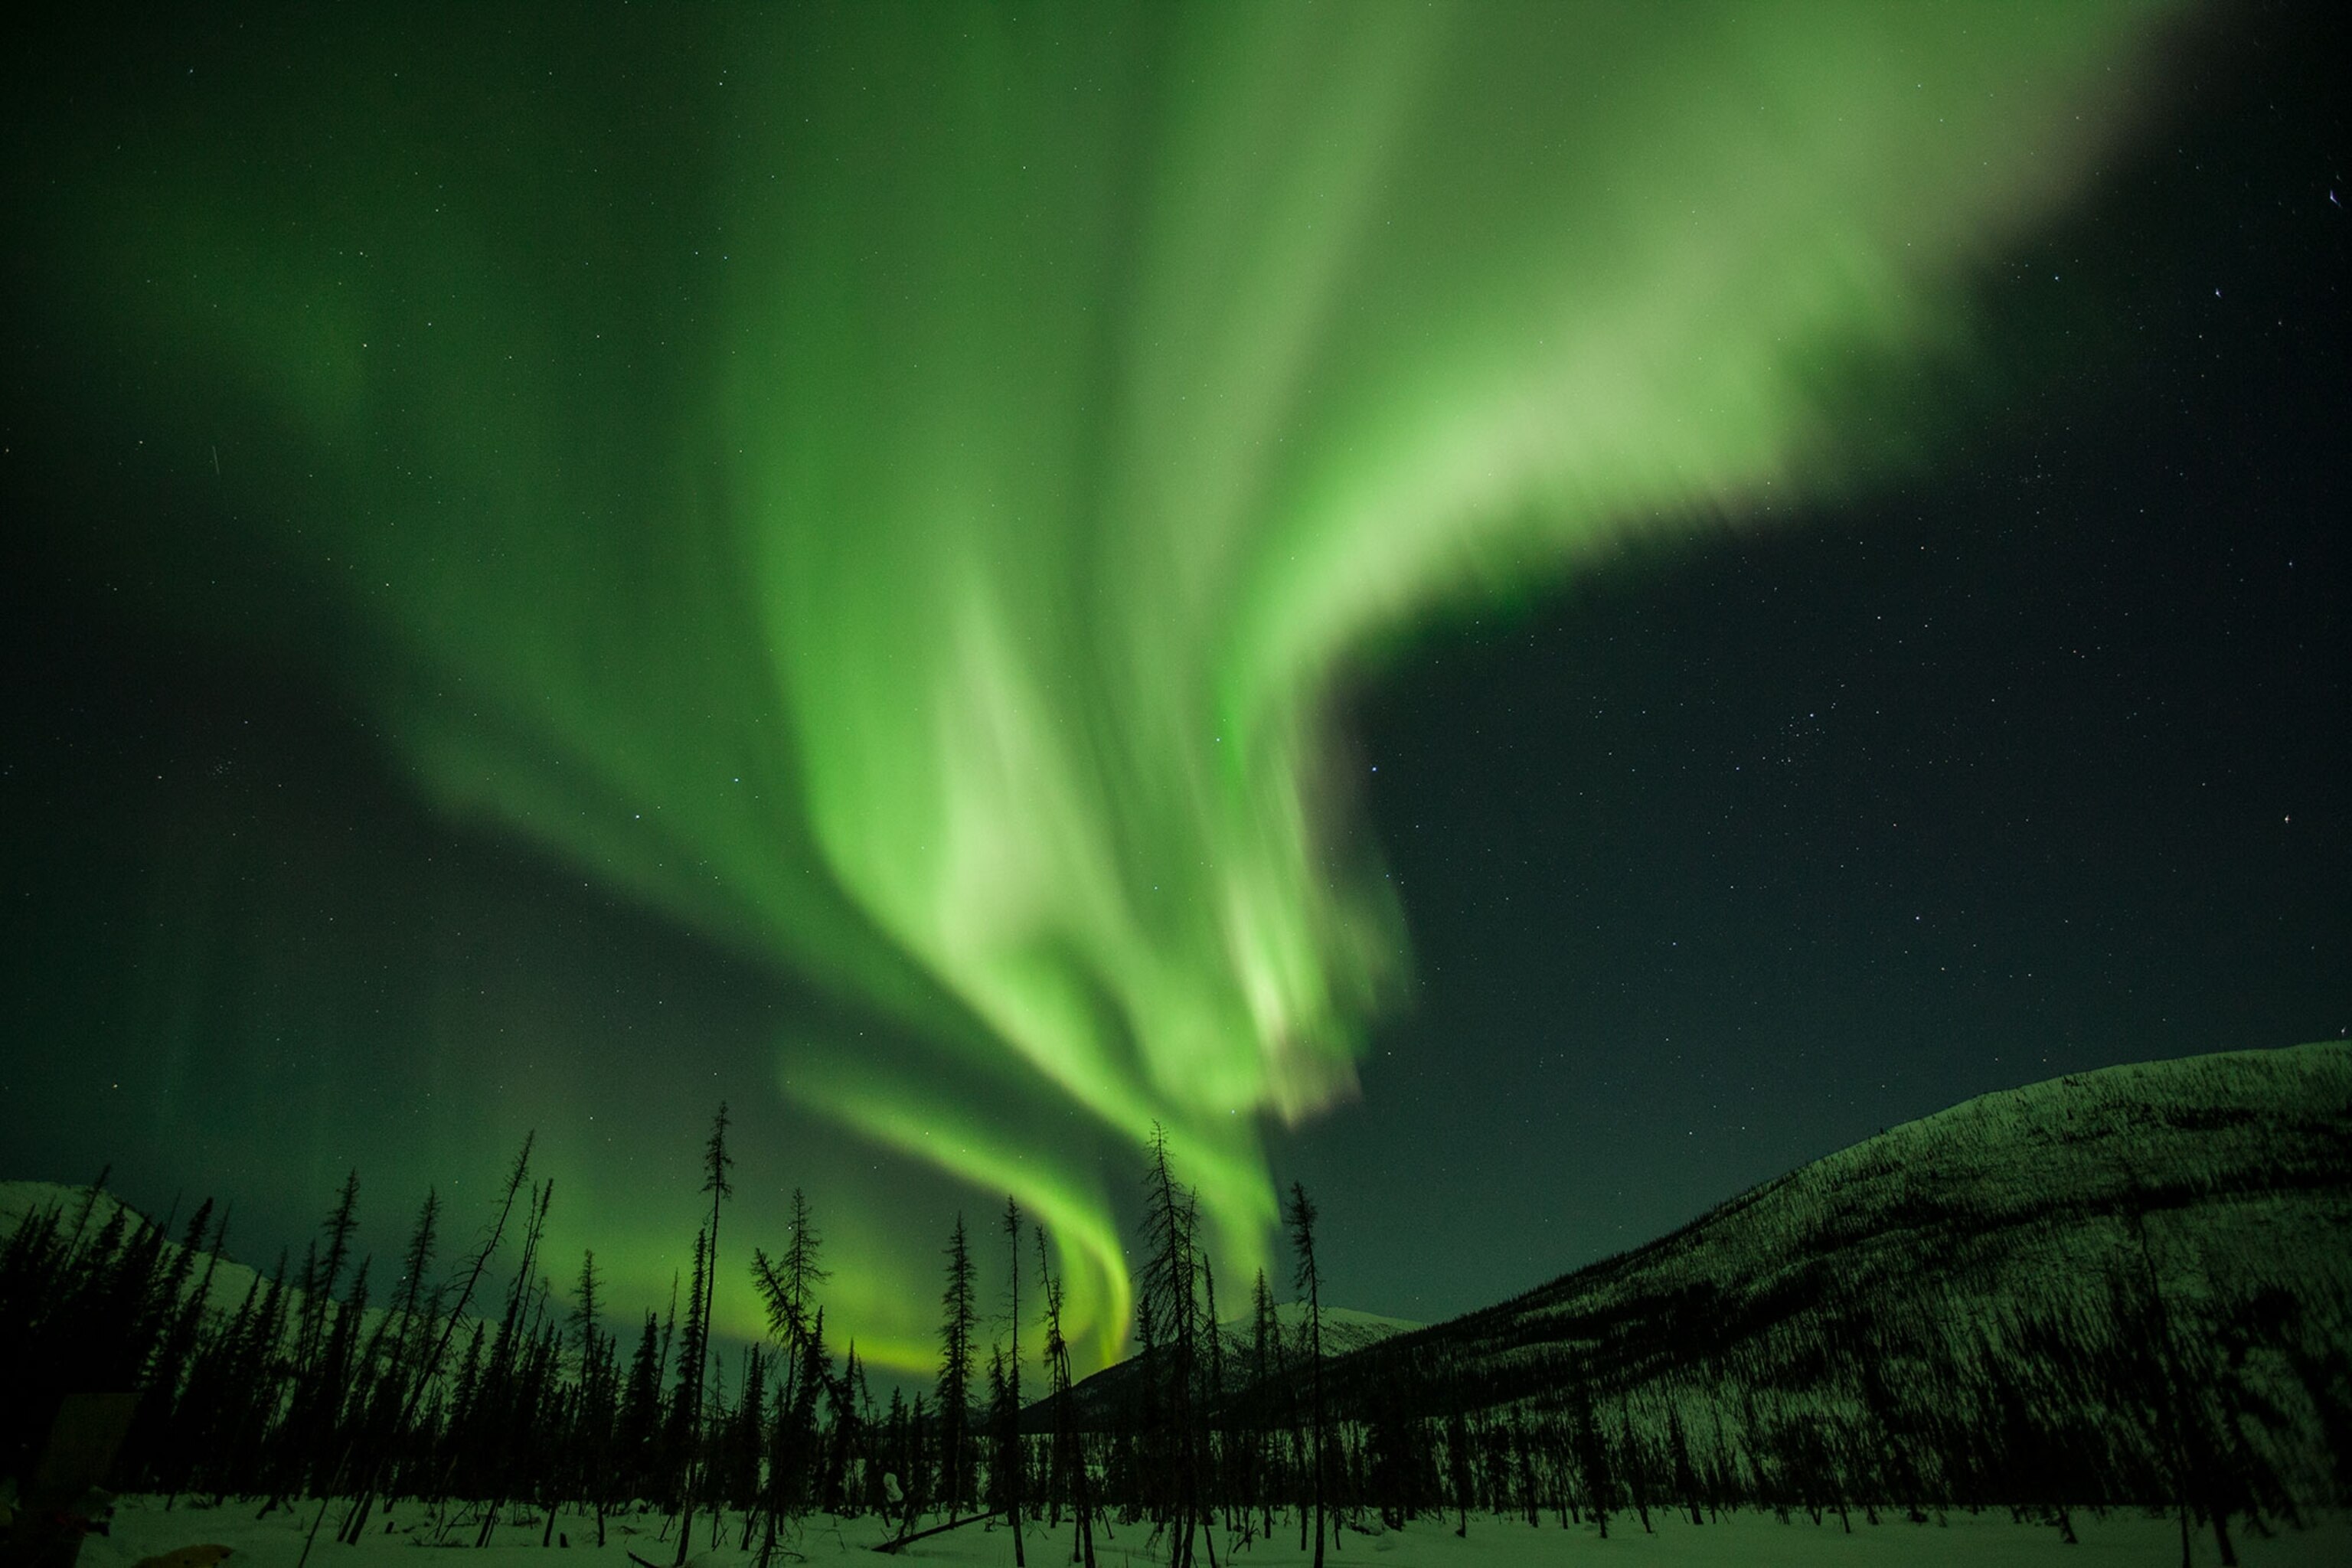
[
  {"x": 2236, "y": 1168},
  {"x": 2113, "y": 1267}
]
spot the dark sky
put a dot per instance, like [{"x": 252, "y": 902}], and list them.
[
  {"x": 2024, "y": 756},
  {"x": 2029, "y": 763}
]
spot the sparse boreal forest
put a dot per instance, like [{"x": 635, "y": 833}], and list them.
[{"x": 2125, "y": 1289}]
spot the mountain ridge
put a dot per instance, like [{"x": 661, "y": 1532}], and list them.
[{"x": 2093, "y": 1283}]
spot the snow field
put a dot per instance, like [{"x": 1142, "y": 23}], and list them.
[{"x": 143, "y": 1528}]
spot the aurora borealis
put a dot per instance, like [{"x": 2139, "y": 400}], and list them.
[{"x": 874, "y": 513}]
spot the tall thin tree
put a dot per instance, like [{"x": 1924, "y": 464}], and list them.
[
  {"x": 714, "y": 1163},
  {"x": 1012, "y": 1480},
  {"x": 1301, "y": 1217},
  {"x": 1069, "y": 1458},
  {"x": 1170, "y": 1300},
  {"x": 787, "y": 1287},
  {"x": 319, "y": 1301},
  {"x": 955, "y": 1370},
  {"x": 592, "y": 1419}
]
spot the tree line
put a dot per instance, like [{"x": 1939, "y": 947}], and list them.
[
  {"x": 477, "y": 1401},
  {"x": 462, "y": 1404}
]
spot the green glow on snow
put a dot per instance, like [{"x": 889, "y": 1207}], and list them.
[{"x": 894, "y": 488}]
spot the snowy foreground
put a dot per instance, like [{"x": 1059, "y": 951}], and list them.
[{"x": 143, "y": 1529}]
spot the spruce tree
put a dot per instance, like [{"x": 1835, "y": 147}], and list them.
[
  {"x": 715, "y": 1162},
  {"x": 412, "y": 1307},
  {"x": 955, "y": 1389},
  {"x": 1009, "y": 1452},
  {"x": 1301, "y": 1217},
  {"x": 1267, "y": 1364},
  {"x": 686, "y": 1384},
  {"x": 639, "y": 1421},
  {"x": 322, "y": 1275},
  {"x": 1069, "y": 1458},
  {"x": 1171, "y": 1306},
  {"x": 1212, "y": 1375},
  {"x": 593, "y": 1417},
  {"x": 788, "y": 1288},
  {"x": 848, "y": 1432}
]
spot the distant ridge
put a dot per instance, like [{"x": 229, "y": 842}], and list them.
[
  {"x": 2102, "y": 1288},
  {"x": 2240, "y": 1165},
  {"x": 2091, "y": 1286}
]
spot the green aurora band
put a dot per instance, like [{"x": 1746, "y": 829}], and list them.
[{"x": 896, "y": 489}]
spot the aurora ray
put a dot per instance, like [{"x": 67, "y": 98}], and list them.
[{"x": 895, "y": 491}]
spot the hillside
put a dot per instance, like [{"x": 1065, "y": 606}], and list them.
[
  {"x": 2241, "y": 1165},
  {"x": 2109, "y": 1257}
]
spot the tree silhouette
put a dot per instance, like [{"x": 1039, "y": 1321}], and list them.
[
  {"x": 714, "y": 1161},
  {"x": 1069, "y": 1458},
  {"x": 954, "y": 1387},
  {"x": 1008, "y": 1453},
  {"x": 1301, "y": 1218}
]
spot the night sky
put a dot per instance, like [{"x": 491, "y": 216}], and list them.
[
  {"x": 2030, "y": 761},
  {"x": 1588, "y": 614}
]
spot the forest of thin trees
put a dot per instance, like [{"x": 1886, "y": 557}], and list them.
[{"x": 474, "y": 1392}]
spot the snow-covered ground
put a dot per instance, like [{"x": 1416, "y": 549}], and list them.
[{"x": 142, "y": 1529}]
